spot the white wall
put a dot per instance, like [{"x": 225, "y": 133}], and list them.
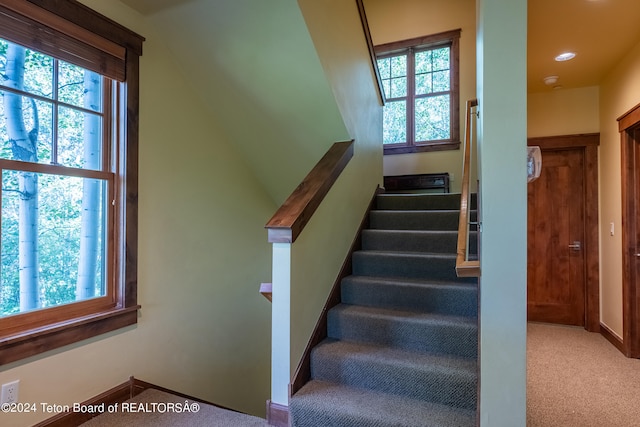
[{"x": 502, "y": 137}]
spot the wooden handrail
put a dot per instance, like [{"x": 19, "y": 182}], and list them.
[
  {"x": 464, "y": 267},
  {"x": 372, "y": 53},
  {"x": 290, "y": 219}
]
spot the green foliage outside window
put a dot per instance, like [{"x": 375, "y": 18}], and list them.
[
  {"x": 417, "y": 83},
  {"x": 60, "y": 109}
]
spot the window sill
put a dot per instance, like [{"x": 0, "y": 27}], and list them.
[
  {"x": 437, "y": 146},
  {"x": 39, "y": 340}
]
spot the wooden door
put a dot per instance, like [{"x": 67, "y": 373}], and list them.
[
  {"x": 556, "y": 239},
  {"x": 631, "y": 296},
  {"x": 629, "y": 126}
]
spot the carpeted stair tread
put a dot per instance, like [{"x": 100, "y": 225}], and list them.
[
  {"x": 444, "y": 297},
  {"x": 409, "y": 330},
  {"x": 325, "y": 404},
  {"x": 415, "y": 220},
  {"x": 430, "y": 377},
  {"x": 416, "y": 265},
  {"x": 417, "y": 254},
  {"x": 414, "y": 240}
]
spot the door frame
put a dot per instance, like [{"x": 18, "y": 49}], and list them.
[
  {"x": 589, "y": 144},
  {"x": 628, "y": 123}
]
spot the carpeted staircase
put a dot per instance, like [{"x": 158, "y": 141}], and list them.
[{"x": 402, "y": 346}]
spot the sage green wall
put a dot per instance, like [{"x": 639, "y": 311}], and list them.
[
  {"x": 320, "y": 251},
  {"x": 228, "y": 127},
  {"x": 203, "y": 328},
  {"x": 502, "y": 134},
  {"x": 405, "y": 19},
  {"x": 254, "y": 65}
]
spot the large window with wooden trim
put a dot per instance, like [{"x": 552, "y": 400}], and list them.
[
  {"x": 68, "y": 171},
  {"x": 420, "y": 81}
]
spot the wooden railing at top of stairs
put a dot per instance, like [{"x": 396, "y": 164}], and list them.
[{"x": 464, "y": 266}]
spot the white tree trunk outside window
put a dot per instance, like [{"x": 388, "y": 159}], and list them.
[
  {"x": 91, "y": 200},
  {"x": 23, "y": 146}
]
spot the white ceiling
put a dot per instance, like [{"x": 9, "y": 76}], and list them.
[{"x": 599, "y": 31}]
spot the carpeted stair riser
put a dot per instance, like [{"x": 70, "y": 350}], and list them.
[
  {"x": 445, "y": 380},
  {"x": 415, "y": 220},
  {"x": 406, "y": 264},
  {"x": 457, "y": 299},
  {"x": 433, "y": 241},
  {"x": 421, "y": 202},
  {"x": 322, "y": 404},
  {"x": 423, "y": 332}
]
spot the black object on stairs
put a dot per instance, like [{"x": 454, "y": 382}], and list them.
[{"x": 402, "y": 345}]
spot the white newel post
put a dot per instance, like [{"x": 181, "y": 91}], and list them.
[{"x": 281, "y": 324}]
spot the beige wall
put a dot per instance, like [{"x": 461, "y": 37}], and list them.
[
  {"x": 404, "y": 19},
  {"x": 203, "y": 328},
  {"x": 619, "y": 92},
  {"x": 563, "y": 112},
  {"x": 595, "y": 109},
  {"x": 587, "y": 110}
]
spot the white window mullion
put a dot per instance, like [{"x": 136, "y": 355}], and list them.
[{"x": 411, "y": 90}]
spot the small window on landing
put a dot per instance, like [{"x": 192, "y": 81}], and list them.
[{"x": 420, "y": 80}]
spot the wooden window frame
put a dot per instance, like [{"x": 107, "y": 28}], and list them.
[
  {"x": 410, "y": 47},
  {"x": 70, "y": 23}
]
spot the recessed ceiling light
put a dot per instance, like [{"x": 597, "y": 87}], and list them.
[
  {"x": 550, "y": 80},
  {"x": 565, "y": 56}
]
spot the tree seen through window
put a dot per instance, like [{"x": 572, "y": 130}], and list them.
[
  {"x": 420, "y": 82},
  {"x": 52, "y": 219}
]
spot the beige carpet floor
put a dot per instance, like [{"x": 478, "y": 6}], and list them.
[
  {"x": 574, "y": 379},
  {"x": 577, "y": 378},
  {"x": 151, "y": 410}
]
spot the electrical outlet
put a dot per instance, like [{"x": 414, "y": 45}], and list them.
[{"x": 10, "y": 392}]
